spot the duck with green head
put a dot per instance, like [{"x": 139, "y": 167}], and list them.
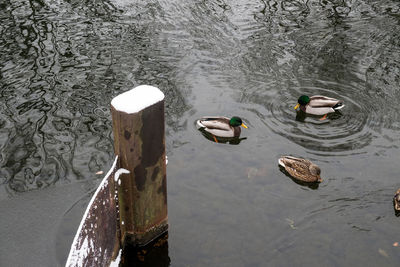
[
  {"x": 318, "y": 105},
  {"x": 221, "y": 126}
]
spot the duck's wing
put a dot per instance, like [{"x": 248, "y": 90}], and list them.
[
  {"x": 324, "y": 101},
  {"x": 293, "y": 161},
  {"x": 214, "y": 123},
  {"x": 321, "y": 105},
  {"x": 319, "y": 111},
  {"x": 222, "y": 133}
]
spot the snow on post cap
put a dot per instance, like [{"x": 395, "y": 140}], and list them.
[{"x": 137, "y": 99}]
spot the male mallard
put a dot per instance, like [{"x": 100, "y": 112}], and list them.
[
  {"x": 396, "y": 200},
  {"x": 301, "y": 169},
  {"x": 221, "y": 126},
  {"x": 318, "y": 104}
]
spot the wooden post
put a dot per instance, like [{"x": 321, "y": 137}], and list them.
[{"x": 139, "y": 142}]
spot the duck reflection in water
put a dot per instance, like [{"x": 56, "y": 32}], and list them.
[
  {"x": 223, "y": 140},
  {"x": 312, "y": 186},
  {"x": 301, "y": 116}
]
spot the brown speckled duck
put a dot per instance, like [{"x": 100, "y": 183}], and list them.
[
  {"x": 396, "y": 200},
  {"x": 301, "y": 169}
]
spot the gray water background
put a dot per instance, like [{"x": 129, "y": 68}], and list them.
[{"x": 229, "y": 205}]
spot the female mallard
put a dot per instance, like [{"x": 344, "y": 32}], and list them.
[
  {"x": 221, "y": 126},
  {"x": 318, "y": 104},
  {"x": 396, "y": 200},
  {"x": 301, "y": 169}
]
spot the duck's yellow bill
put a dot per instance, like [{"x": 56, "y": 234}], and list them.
[
  {"x": 243, "y": 125},
  {"x": 297, "y": 106}
]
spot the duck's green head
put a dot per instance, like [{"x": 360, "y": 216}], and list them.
[
  {"x": 236, "y": 121},
  {"x": 303, "y": 100}
]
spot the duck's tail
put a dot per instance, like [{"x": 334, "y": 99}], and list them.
[
  {"x": 280, "y": 162},
  {"x": 199, "y": 124},
  {"x": 338, "y": 106}
]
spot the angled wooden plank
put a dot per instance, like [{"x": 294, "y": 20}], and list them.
[{"x": 96, "y": 242}]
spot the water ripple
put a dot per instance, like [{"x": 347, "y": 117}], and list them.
[{"x": 61, "y": 65}]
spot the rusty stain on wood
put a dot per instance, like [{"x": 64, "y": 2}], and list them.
[
  {"x": 140, "y": 177},
  {"x": 127, "y": 135}
]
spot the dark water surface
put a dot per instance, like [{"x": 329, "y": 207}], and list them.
[{"x": 62, "y": 61}]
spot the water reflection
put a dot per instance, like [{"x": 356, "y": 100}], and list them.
[
  {"x": 61, "y": 65},
  {"x": 318, "y": 49},
  {"x": 301, "y": 116},
  {"x": 63, "y": 61},
  {"x": 154, "y": 254},
  {"x": 223, "y": 140}
]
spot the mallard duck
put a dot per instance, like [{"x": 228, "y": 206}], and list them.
[
  {"x": 221, "y": 126},
  {"x": 301, "y": 169},
  {"x": 318, "y": 104},
  {"x": 396, "y": 200}
]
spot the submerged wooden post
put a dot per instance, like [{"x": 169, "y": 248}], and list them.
[{"x": 139, "y": 142}]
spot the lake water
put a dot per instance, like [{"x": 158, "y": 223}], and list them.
[{"x": 62, "y": 61}]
